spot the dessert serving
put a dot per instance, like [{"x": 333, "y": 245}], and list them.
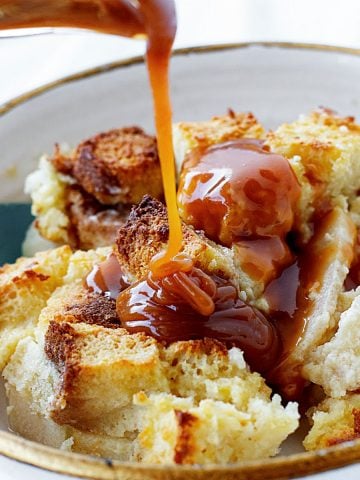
[
  {"x": 100, "y": 358},
  {"x": 189, "y": 321}
]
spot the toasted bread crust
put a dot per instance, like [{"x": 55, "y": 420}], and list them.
[
  {"x": 59, "y": 341},
  {"x": 184, "y": 447},
  {"x": 93, "y": 309},
  {"x": 146, "y": 233},
  {"x": 120, "y": 165}
]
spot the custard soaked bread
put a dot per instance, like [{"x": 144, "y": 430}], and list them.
[
  {"x": 146, "y": 233},
  {"x": 189, "y": 136},
  {"x": 81, "y": 381},
  {"x": 25, "y": 288},
  {"x": 83, "y": 196},
  {"x": 323, "y": 149}
]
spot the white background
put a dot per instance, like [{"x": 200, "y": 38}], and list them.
[{"x": 28, "y": 62}]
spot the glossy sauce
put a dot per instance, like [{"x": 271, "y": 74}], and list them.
[
  {"x": 108, "y": 278},
  {"x": 241, "y": 194},
  {"x": 291, "y": 301},
  {"x": 166, "y": 309}
]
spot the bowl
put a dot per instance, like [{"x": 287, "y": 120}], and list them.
[{"x": 277, "y": 82}]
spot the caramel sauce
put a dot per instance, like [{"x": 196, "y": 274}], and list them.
[
  {"x": 239, "y": 193},
  {"x": 169, "y": 310},
  {"x": 291, "y": 299},
  {"x": 237, "y": 190},
  {"x": 108, "y": 278},
  {"x": 262, "y": 258}
]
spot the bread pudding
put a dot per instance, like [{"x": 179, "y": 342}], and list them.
[{"x": 89, "y": 368}]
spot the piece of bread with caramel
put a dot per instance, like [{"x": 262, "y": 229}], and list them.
[
  {"x": 77, "y": 380},
  {"x": 81, "y": 197},
  {"x": 328, "y": 258},
  {"x": 334, "y": 421},
  {"x": 234, "y": 125},
  {"x": 323, "y": 149},
  {"x": 103, "y": 391},
  {"x": 146, "y": 233}
]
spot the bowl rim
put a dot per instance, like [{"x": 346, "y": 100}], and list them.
[
  {"x": 9, "y": 105},
  {"x": 55, "y": 460}
]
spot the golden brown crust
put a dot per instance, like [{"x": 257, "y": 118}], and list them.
[
  {"x": 120, "y": 165},
  {"x": 62, "y": 349},
  {"x": 206, "y": 346},
  {"x": 222, "y": 128},
  {"x": 147, "y": 221},
  {"x": 348, "y": 434},
  {"x": 184, "y": 447},
  {"x": 77, "y": 304},
  {"x": 59, "y": 341},
  {"x": 94, "y": 309},
  {"x": 146, "y": 233},
  {"x": 63, "y": 163},
  {"x": 330, "y": 118}
]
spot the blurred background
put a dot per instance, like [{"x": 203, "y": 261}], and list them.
[{"x": 31, "y": 61}]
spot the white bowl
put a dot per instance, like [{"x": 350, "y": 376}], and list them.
[{"x": 276, "y": 82}]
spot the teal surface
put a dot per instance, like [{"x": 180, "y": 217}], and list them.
[{"x": 15, "y": 219}]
